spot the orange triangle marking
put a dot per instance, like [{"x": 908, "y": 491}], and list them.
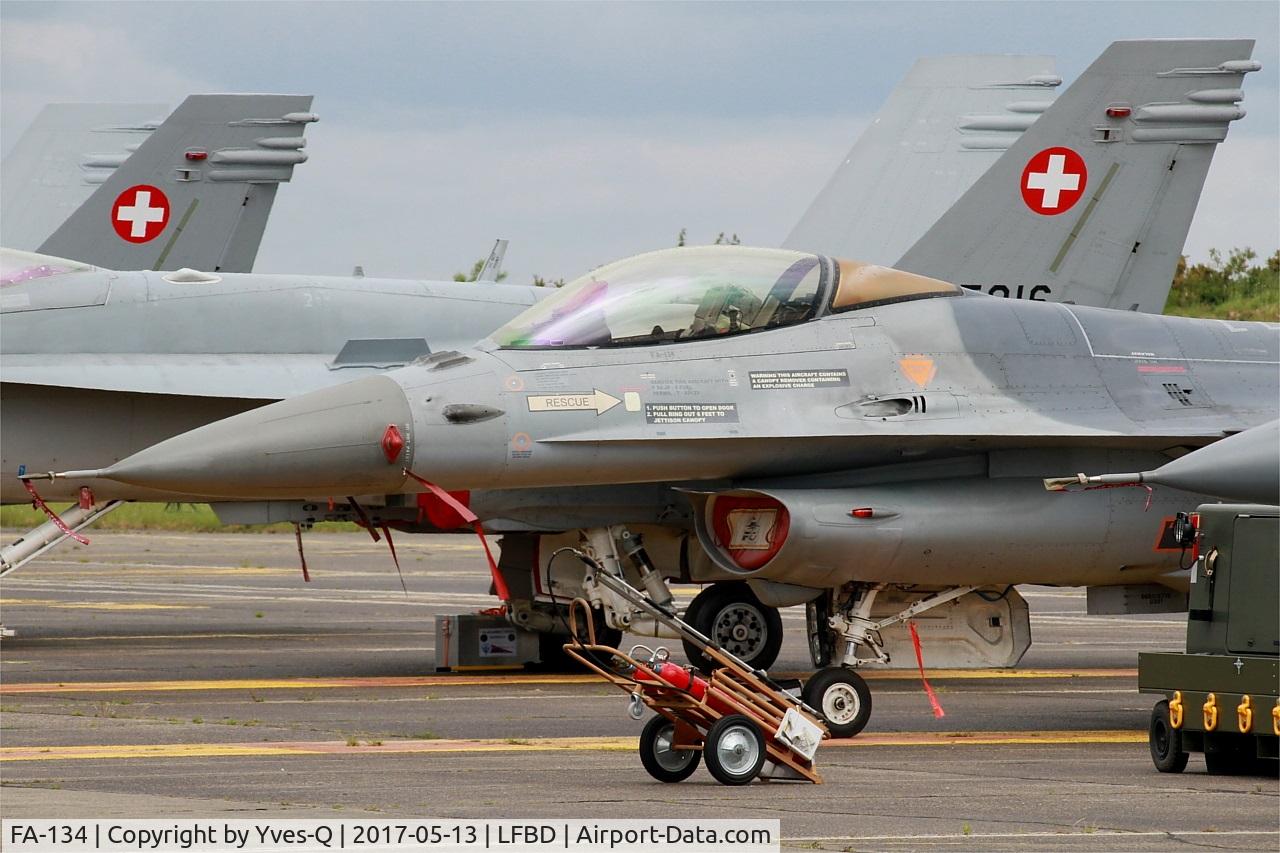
[{"x": 920, "y": 369}]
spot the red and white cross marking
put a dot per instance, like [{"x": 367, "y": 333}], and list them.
[
  {"x": 1053, "y": 181},
  {"x": 140, "y": 213}
]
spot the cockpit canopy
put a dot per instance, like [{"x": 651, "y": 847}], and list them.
[
  {"x": 702, "y": 292},
  {"x": 17, "y": 266}
]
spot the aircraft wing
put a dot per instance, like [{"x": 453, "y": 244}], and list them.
[
  {"x": 255, "y": 376},
  {"x": 66, "y": 153},
  {"x": 197, "y": 192},
  {"x": 941, "y": 128}
]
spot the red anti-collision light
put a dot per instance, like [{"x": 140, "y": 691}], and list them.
[
  {"x": 862, "y": 512},
  {"x": 197, "y": 155},
  {"x": 392, "y": 443},
  {"x": 1118, "y": 112}
]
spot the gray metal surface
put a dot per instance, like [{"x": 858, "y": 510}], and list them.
[
  {"x": 58, "y": 162},
  {"x": 940, "y": 129},
  {"x": 207, "y": 179},
  {"x": 1143, "y": 121},
  {"x": 255, "y": 337}
]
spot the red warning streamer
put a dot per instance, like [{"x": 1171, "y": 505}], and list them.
[
  {"x": 933, "y": 698},
  {"x": 364, "y": 519},
  {"x": 469, "y": 517},
  {"x": 386, "y": 531},
  {"x": 53, "y": 516},
  {"x": 302, "y": 558},
  {"x": 1150, "y": 491}
]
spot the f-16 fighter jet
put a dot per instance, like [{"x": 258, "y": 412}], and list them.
[
  {"x": 226, "y": 376},
  {"x": 834, "y": 428}
]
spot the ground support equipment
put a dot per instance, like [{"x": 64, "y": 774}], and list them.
[{"x": 742, "y": 723}]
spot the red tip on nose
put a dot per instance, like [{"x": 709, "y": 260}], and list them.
[{"x": 392, "y": 443}]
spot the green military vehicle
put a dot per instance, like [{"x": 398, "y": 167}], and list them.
[{"x": 1222, "y": 697}]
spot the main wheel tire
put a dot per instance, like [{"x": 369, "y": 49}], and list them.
[
  {"x": 843, "y": 699},
  {"x": 821, "y": 643},
  {"x": 734, "y": 750},
  {"x": 734, "y": 619},
  {"x": 1165, "y": 741},
  {"x": 659, "y": 759}
]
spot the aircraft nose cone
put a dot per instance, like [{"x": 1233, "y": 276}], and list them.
[{"x": 351, "y": 439}]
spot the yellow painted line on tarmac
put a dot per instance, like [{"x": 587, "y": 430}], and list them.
[
  {"x": 562, "y": 744},
  {"x": 911, "y": 674},
  {"x": 97, "y": 605},
  {"x": 294, "y": 683},
  {"x": 392, "y": 682}
]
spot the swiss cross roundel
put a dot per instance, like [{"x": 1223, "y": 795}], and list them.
[
  {"x": 1053, "y": 181},
  {"x": 140, "y": 213}
]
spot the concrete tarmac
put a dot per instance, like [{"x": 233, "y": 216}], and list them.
[{"x": 158, "y": 675}]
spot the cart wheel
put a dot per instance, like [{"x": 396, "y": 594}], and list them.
[
  {"x": 659, "y": 759},
  {"x": 1165, "y": 741},
  {"x": 735, "y": 750},
  {"x": 843, "y": 699},
  {"x": 735, "y": 619}
]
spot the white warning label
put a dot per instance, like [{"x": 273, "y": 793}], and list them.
[
  {"x": 497, "y": 644},
  {"x": 691, "y": 413},
  {"x": 782, "y": 380}
]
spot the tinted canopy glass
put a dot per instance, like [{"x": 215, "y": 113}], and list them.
[
  {"x": 18, "y": 266},
  {"x": 866, "y": 285},
  {"x": 674, "y": 295}
]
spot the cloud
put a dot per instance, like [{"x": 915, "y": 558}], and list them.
[
  {"x": 570, "y": 194},
  {"x": 1240, "y": 206},
  {"x": 581, "y": 132},
  {"x": 57, "y": 61}
]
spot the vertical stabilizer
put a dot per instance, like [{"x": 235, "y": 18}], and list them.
[
  {"x": 1092, "y": 204},
  {"x": 941, "y": 128},
  {"x": 197, "y": 192},
  {"x": 66, "y": 153},
  {"x": 493, "y": 264}
]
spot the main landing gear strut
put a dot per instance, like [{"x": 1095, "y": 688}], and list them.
[
  {"x": 728, "y": 612},
  {"x": 839, "y": 692}
]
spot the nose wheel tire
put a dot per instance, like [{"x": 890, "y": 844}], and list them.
[
  {"x": 1165, "y": 741},
  {"x": 662, "y": 761},
  {"x": 843, "y": 699},
  {"x": 734, "y": 750},
  {"x": 734, "y": 619}
]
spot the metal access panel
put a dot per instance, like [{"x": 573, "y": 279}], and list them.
[
  {"x": 469, "y": 641},
  {"x": 971, "y": 632},
  {"x": 1255, "y": 586}
]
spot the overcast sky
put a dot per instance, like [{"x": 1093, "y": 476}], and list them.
[{"x": 586, "y": 132}]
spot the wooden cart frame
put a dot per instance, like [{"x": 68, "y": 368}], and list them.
[{"x": 731, "y": 689}]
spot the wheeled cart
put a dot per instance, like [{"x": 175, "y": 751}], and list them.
[{"x": 742, "y": 723}]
